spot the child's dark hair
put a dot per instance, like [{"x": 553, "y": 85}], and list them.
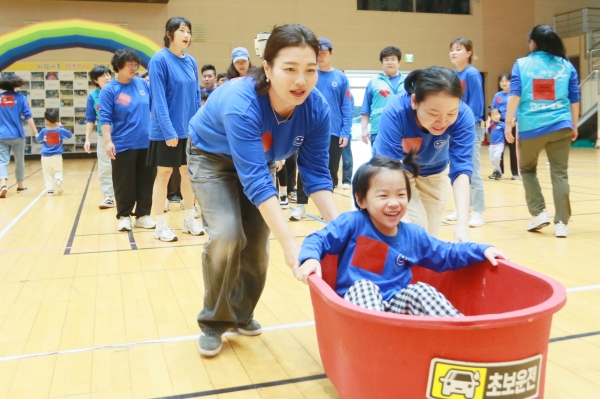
[
  {"x": 203, "y": 95},
  {"x": 362, "y": 178},
  {"x": 546, "y": 39},
  {"x": 389, "y": 51},
  {"x": 503, "y": 76},
  {"x": 97, "y": 72},
  {"x": 221, "y": 75},
  {"x": 123, "y": 56},
  {"x": 290, "y": 35},
  {"x": 51, "y": 115},
  {"x": 11, "y": 82},
  {"x": 466, "y": 43},
  {"x": 172, "y": 26},
  {"x": 492, "y": 110},
  {"x": 433, "y": 80}
]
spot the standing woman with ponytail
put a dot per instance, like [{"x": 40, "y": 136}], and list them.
[
  {"x": 236, "y": 138},
  {"x": 431, "y": 118},
  {"x": 544, "y": 89}
]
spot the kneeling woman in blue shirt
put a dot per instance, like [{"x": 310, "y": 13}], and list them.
[
  {"x": 245, "y": 127},
  {"x": 431, "y": 118}
]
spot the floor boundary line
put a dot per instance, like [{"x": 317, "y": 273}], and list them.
[
  {"x": 21, "y": 214},
  {"x": 76, "y": 221}
]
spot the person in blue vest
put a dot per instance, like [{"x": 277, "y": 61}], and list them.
[
  {"x": 175, "y": 90},
  {"x": 13, "y": 106},
  {"x": 461, "y": 54},
  {"x": 334, "y": 86},
  {"x": 100, "y": 75},
  {"x": 500, "y": 102},
  {"x": 379, "y": 91},
  {"x": 544, "y": 88},
  {"x": 431, "y": 118},
  {"x": 236, "y": 138}
]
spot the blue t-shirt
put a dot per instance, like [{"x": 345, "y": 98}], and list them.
[
  {"x": 496, "y": 131},
  {"x": 53, "y": 139},
  {"x": 399, "y": 132},
  {"x": 126, "y": 107},
  {"x": 13, "y": 105},
  {"x": 365, "y": 109},
  {"x": 92, "y": 110},
  {"x": 573, "y": 95},
  {"x": 239, "y": 123},
  {"x": 334, "y": 86},
  {"x": 500, "y": 102},
  {"x": 175, "y": 94},
  {"x": 470, "y": 79},
  {"x": 364, "y": 253}
]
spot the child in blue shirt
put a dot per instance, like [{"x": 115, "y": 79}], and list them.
[
  {"x": 496, "y": 131},
  {"x": 376, "y": 250},
  {"x": 52, "y": 136}
]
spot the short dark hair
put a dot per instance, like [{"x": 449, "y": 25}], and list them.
[
  {"x": 466, "y": 43},
  {"x": 172, "y": 26},
  {"x": 122, "y": 56},
  {"x": 97, "y": 72},
  {"x": 362, "y": 178},
  {"x": 221, "y": 75},
  {"x": 11, "y": 82},
  {"x": 503, "y": 76},
  {"x": 546, "y": 39},
  {"x": 208, "y": 67},
  {"x": 203, "y": 95},
  {"x": 494, "y": 110},
  {"x": 290, "y": 35},
  {"x": 389, "y": 51},
  {"x": 51, "y": 115},
  {"x": 432, "y": 80}
]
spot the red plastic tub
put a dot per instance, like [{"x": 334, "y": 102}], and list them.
[{"x": 498, "y": 349}]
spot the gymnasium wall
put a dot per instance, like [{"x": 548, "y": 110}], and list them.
[{"x": 498, "y": 28}]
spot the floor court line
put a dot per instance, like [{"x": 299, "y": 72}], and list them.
[
  {"x": 20, "y": 215},
  {"x": 76, "y": 222},
  {"x": 26, "y": 177}
]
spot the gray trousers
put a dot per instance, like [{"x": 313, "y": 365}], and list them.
[
  {"x": 17, "y": 145},
  {"x": 236, "y": 257}
]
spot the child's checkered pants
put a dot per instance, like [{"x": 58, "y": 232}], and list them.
[{"x": 415, "y": 299}]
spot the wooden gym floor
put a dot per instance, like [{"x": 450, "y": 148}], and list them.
[{"x": 89, "y": 312}]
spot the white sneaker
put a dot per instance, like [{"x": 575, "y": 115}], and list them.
[
  {"x": 283, "y": 202},
  {"x": 453, "y": 217},
  {"x": 561, "y": 230},
  {"x": 124, "y": 224},
  {"x": 299, "y": 213},
  {"x": 145, "y": 222},
  {"x": 107, "y": 203},
  {"x": 191, "y": 226},
  {"x": 539, "y": 221},
  {"x": 164, "y": 233},
  {"x": 346, "y": 186},
  {"x": 196, "y": 214},
  {"x": 476, "y": 220},
  {"x": 166, "y": 205},
  {"x": 58, "y": 187}
]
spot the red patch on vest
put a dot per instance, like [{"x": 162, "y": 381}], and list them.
[
  {"x": 7, "y": 101},
  {"x": 52, "y": 139},
  {"x": 370, "y": 254},
  {"x": 384, "y": 93},
  {"x": 124, "y": 99},
  {"x": 544, "y": 89},
  {"x": 267, "y": 141},
  {"x": 410, "y": 143}
]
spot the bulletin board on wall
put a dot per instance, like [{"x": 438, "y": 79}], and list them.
[{"x": 61, "y": 85}]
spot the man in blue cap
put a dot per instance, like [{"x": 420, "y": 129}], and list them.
[{"x": 334, "y": 86}]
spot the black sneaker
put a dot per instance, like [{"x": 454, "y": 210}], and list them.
[
  {"x": 283, "y": 202},
  {"x": 498, "y": 175},
  {"x": 492, "y": 176},
  {"x": 21, "y": 189}
]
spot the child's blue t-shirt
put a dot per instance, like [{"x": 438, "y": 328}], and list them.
[
  {"x": 500, "y": 102},
  {"x": 13, "y": 105},
  {"x": 364, "y": 253},
  {"x": 472, "y": 86},
  {"x": 496, "y": 131},
  {"x": 126, "y": 107},
  {"x": 334, "y": 86},
  {"x": 92, "y": 110},
  {"x": 399, "y": 132},
  {"x": 53, "y": 140},
  {"x": 239, "y": 123},
  {"x": 175, "y": 94}
]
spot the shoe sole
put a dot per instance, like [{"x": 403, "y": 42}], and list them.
[
  {"x": 250, "y": 333},
  {"x": 21, "y": 191},
  {"x": 560, "y": 236},
  {"x": 451, "y": 219},
  {"x": 295, "y": 219},
  {"x": 186, "y": 231},
  {"x": 160, "y": 239},
  {"x": 539, "y": 227},
  {"x": 3, "y": 193},
  {"x": 104, "y": 206},
  {"x": 204, "y": 352},
  {"x": 144, "y": 227},
  {"x": 124, "y": 229}
]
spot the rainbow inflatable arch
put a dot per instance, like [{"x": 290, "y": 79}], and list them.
[{"x": 54, "y": 35}]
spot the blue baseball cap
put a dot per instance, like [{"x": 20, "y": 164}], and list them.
[
  {"x": 240, "y": 53},
  {"x": 325, "y": 44}
]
